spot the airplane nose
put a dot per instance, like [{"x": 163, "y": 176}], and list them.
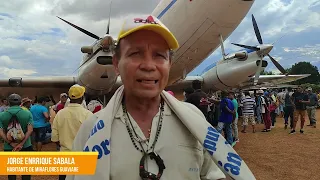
[{"x": 265, "y": 49}]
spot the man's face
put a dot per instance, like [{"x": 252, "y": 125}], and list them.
[
  {"x": 5, "y": 102},
  {"x": 231, "y": 96},
  {"x": 300, "y": 89},
  {"x": 63, "y": 99},
  {"x": 144, "y": 64}
]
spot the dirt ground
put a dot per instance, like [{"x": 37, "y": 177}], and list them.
[{"x": 275, "y": 155}]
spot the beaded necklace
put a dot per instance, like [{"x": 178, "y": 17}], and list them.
[
  {"x": 144, "y": 174},
  {"x": 131, "y": 130}
]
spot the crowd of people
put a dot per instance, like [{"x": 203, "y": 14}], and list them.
[
  {"x": 62, "y": 120},
  {"x": 255, "y": 107}
]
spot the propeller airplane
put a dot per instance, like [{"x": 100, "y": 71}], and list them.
[{"x": 199, "y": 27}]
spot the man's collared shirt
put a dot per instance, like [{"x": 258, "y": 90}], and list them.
[
  {"x": 183, "y": 156},
  {"x": 66, "y": 124}
]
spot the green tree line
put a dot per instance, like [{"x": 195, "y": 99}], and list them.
[{"x": 302, "y": 68}]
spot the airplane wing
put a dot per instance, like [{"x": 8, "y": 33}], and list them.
[
  {"x": 180, "y": 85},
  {"x": 264, "y": 80},
  {"x": 32, "y": 86},
  {"x": 267, "y": 80}
]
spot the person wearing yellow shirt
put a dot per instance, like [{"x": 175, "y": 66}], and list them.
[
  {"x": 26, "y": 104},
  {"x": 68, "y": 120}
]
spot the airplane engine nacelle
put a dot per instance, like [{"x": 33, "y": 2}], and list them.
[
  {"x": 228, "y": 75},
  {"x": 87, "y": 49},
  {"x": 241, "y": 56}
]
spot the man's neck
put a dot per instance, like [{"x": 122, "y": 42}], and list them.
[{"x": 144, "y": 107}]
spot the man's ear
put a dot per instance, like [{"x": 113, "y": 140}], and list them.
[{"x": 115, "y": 62}]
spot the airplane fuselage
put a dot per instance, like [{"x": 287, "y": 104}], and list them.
[{"x": 197, "y": 26}]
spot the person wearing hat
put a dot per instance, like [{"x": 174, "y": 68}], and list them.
[
  {"x": 26, "y": 103},
  {"x": 259, "y": 108},
  {"x": 22, "y": 140},
  {"x": 94, "y": 105},
  {"x": 61, "y": 103},
  {"x": 144, "y": 132},
  {"x": 312, "y": 107},
  {"x": 68, "y": 120}
]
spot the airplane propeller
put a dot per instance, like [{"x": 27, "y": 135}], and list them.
[
  {"x": 81, "y": 29},
  {"x": 108, "y": 27},
  {"x": 89, "y": 33},
  {"x": 261, "y": 47}
]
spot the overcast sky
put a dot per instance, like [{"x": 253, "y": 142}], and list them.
[{"x": 36, "y": 43}]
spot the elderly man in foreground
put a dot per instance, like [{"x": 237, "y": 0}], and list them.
[{"x": 146, "y": 133}]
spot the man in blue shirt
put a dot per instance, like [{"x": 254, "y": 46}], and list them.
[
  {"x": 226, "y": 116},
  {"x": 40, "y": 117}
]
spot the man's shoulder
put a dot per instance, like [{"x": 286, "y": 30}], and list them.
[
  {"x": 223, "y": 100},
  {"x": 229, "y": 101},
  {"x": 21, "y": 113},
  {"x": 25, "y": 112},
  {"x": 66, "y": 109},
  {"x": 4, "y": 115}
]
